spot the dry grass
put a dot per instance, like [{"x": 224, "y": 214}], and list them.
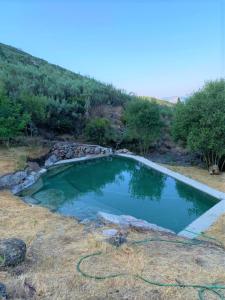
[
  {"x": 56, "y": 243},
  {"x": 202, "y": 175},
  {"x": 14, "y": 158}
]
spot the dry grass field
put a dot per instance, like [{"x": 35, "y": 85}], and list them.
[
  {"x": 55, "y": 245},
  {"x": 14, "y": 158}
]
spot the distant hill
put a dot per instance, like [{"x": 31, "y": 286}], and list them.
[{"x": 162, "y": 102}]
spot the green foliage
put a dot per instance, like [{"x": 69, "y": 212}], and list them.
[
  {"x": 12, "y": 119},
  {"x": 99, "y": 130},
  {"x": 200, "y": 122},
  {"x": 142, "y": 119},
  {"x": 65, "y": 117},
  {"x": 55, "y": 98},
  {"x": 35, "y": 106}
]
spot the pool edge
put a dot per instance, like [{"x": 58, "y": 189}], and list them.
[{"x": 205, "y": 220}]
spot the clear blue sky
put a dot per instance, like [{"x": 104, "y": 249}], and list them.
[{"x": 152, "y": 47}]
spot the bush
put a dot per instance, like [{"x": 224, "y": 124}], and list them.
[
  {"x": 142, "y": 119},
  {"x": 64, "y": 117},
  {"x": 12, "y": 119},
  {"x": 99, "y": 130},
  {"x": 200, "y": 122},
  {"x": 36, "y": 106}
]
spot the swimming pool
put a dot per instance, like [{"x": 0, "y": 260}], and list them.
[{"x": 119, "y": 185}]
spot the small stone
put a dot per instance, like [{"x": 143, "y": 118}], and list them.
[
  {"x": 109, "y": 232},
  {"x": 33, "y": 166},
  {"x": 3, "y": 292},
  {"x": 123, "y": 151},
  {"x": 51, "y": 160},
  {"x": 118, "y": 239},
  {"x": 12, "y": 252},
  {"x": 214, "y": 170}
]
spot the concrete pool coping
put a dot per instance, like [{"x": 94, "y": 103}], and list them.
[{"x": 197, "y": 226}]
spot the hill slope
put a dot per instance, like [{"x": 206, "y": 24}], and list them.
[
  {"x": 21, "y": 71},
  {"x": 57, "y": 99}
]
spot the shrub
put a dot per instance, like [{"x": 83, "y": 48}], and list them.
[
  {"x": 64, "y": 117},
  {"x": 12, "y": 119},
  {"x": 200, "y": 122},
  {"x": 99, "y": 130},
  {"x": 142, "y": 119}
]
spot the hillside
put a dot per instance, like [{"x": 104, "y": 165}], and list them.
[
  {"x": 22, "y": 72},
  {"x": 39, "y": 98},
  {"x": 56, "y": 99}
]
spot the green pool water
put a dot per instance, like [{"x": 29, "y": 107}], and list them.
[{"x": 119, "y": 186}]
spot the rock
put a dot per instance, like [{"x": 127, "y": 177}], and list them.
[
  {"x": 118, "y": 239},
  {"x": 112, "y": 219},
  {"x": 145, "y": 226},
  {"x": 109, "y": 232},
  {"x": 123, "y": 151},
  {"x": 67, "y": 150},
  {"x": 214, "y": 170},
  {"x": 3, "y": 292},
  {"x": 51, "y": 160},
  {"x": 42, "y": 171},
  {"x": 125, "y": 221},
  {"x": 29, "y": 180},
  {"x": 115, "y": 237},
  {"x": 13, "y": 252},
  {"x": 10, "y": 180},
  {"x": 97, "y": 150},
  {"x": 33, "y": 166}
]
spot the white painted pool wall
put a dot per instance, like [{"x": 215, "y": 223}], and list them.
[{"x": 209, "y": 217}]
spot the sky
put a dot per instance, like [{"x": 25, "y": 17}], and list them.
[{"x": 157, "y": 48}]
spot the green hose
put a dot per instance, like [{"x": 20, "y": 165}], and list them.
[{"x": 202, "y": 288}]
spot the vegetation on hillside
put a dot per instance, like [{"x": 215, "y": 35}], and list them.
[
  {"x": 38, "y": 98},
  {"x": 54, "y": 98},
  {"x": 44, "y": 98}
]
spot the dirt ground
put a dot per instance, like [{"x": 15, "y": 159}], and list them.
[{"x": 55, "y": 244}]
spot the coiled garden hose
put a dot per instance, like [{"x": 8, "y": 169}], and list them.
[{"x": 202, "y": 288}]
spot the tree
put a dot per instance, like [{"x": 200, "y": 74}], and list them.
[
  {"x": 142, "y": 119},
  {"x": 200, "y": 123},
  {"x": 12, "y": 120}
]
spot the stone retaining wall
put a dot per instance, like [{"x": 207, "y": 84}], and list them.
[
  {"x": 20, "y": 180},
  {"x": 65, "y": 150}
]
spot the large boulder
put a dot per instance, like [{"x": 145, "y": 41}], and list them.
[{"x": 12, "y": 252}]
